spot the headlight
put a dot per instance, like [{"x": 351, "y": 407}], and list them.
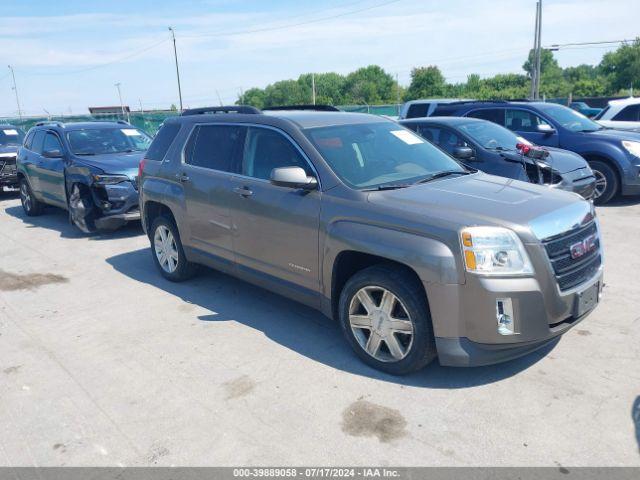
[
  {"x": 110, "y": 179},
  {"x": 494, "y": 251},
  {"x": 632, "y": 147}
]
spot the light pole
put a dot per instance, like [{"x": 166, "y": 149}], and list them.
[
  {"x": 175, "y": 54},
  {"x": 117, "y": 85},
  {"x": 15, "y": 89}
]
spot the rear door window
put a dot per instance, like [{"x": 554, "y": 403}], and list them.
[
  {"x": 215, "y": 147},
  {"x": 418, "y": 110},
  {"x": 162, "y": 141},
  {"x": 629, "y": 113},
  {"x": 495, "y": 115}
]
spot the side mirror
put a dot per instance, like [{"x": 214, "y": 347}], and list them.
[
  {"x": 293, "y": 177},
  {"x": 52, "y": 153},
  {"x": 463, "y": 153},
  {"x": 546, "y": 129}
]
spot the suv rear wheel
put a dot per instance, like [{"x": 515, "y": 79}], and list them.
[
  {"x": 606, "y": 182},
  {"x": 31, "y": 206},
  {"x": 167, "y": 251},
  {"x": 385, "y": 317}
]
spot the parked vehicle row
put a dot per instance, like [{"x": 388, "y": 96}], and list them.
[
  {"x": 416, "y": 252},
  {"x": 89, "y": 169},
  {"x": 613, "y": 155}
]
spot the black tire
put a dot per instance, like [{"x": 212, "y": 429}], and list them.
[
  {"x": 82, "y": 210},
  {"x": 31, "y": 206},
  {"x": 421, "y": 350},
  {"x": 183, "y": 269},
  {"x": 605, "y": 174}
]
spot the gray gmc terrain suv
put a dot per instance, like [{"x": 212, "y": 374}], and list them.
[{"x": 416, "y": 255}]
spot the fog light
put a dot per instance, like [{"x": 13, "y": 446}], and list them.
[{"x": 504, "y": 316}]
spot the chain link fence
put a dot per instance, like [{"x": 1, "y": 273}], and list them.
[{"x": 151, "y": 121}]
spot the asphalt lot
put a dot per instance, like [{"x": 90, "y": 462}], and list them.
[{"x": 102, "y": 362}]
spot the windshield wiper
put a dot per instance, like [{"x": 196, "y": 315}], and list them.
[
  {"x": 388, "y": 186},
  {"x": 443, "y": 174},
  {"x": 500, "y": 149},
  {"x": 84, "y": 153}
]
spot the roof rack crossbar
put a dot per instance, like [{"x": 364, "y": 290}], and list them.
[
  {"x": 317, "y": 108},
  {"x": 243, "y": 109},
  {"x": 50, "y": 122}
]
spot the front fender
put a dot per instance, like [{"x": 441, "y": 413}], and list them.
[
  {"x": 432, "y": 260},
  {"x": 615, "y": 154}
]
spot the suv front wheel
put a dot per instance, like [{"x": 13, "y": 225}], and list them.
[
  {"x": 385, "y": 317},
  {"x": 606, "y": 182},
  {"x": 167, "y": 251}
]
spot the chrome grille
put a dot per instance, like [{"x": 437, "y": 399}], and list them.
[
  {"x": 7, "y": 166},
  {"x": 571, "y": 272}
]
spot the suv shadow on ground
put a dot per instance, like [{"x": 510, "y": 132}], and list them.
[
  {"x": 298, "y": 327},
  {"x": 57, "y": 219}
]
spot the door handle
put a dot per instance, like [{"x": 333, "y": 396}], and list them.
[
  {"x": 183, "y": 177},
  {"x": 243, "y": 191}
]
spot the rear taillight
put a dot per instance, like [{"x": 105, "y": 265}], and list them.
[{"x": 141, "y": 168}]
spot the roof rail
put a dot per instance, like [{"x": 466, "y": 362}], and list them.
[
  {"x": 123, "y": 122},
  {"x": 50, "y": 122},
  {"x": 244, "y": 109},
  {"x": 463, "y": 102},
  {"x": 317, "y": 108}
]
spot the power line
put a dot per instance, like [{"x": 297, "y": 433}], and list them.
[
  {"x": 291, "y": 25},
  {"x": 101, "y": 65},
  {"x": 563, "y": 45}
]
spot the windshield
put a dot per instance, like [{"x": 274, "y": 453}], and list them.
[
  {"x": 367, "y": 156},
  {"x": 11, "y": 136},
  {"x": 99, "y": 141},
  {"x": 570, "y": 119},
  {"x": 490, "y": 135}
]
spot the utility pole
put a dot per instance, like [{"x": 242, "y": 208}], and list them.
[
  {"x": 539, "y": 55},
  {"x": 398, "y": 95},
  {"x": 141, "y": 110},
  {"x": 532, "y": 93},
  {"x": 124, "y": 114},
  {"x": 313, "y": 87},
  {"x": 219, "y": 98},
  {"x": 15, "y": 89},
  {"x": 175, "y": 54}
]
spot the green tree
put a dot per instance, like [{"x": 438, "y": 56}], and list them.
[
  {"x": 426, "y": 82},
  {"x": 330, "y": 87},
  {"x": 622, "y": 67},
  {"x": 369, "y": 85},
  {"x": 254, "y": 97}
]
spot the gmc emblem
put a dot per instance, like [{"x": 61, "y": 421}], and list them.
[{"x": 587, "y": 245}]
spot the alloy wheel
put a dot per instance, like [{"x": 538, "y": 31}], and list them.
[
  {"x": 601, "y": 184},
  {"x": 381, "y": 324},
  {"x": 25, "y": 197},
  {"x": 166, "y": 249}
]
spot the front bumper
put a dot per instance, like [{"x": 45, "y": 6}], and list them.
[
  {"x": 118, "y": 204},
  {"x": 581, "y": 181},
  {"x": 465, "y": 322}
]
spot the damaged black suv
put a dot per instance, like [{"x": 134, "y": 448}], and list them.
[
  {"x": 89, "y": 169},
  {"x": 11, "y": 138}
]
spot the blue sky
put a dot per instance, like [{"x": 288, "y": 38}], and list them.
[{"x": 59, "y": 48}]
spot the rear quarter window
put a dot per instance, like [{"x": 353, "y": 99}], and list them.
[
  {"x": 162, "y": 141},
  {"x": 418, "y": 110},
  {"x": 495, "y": 115}
]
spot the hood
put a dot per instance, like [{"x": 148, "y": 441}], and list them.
[
  {"x": 482, "y": 199},
  {"x": 115, "y": 163},
  {"x": 619, "y": 135},
  {"x": 9, "y": 148},
  {"x": 617, "y": 125},
  {"x": 563, "y": 161}
]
